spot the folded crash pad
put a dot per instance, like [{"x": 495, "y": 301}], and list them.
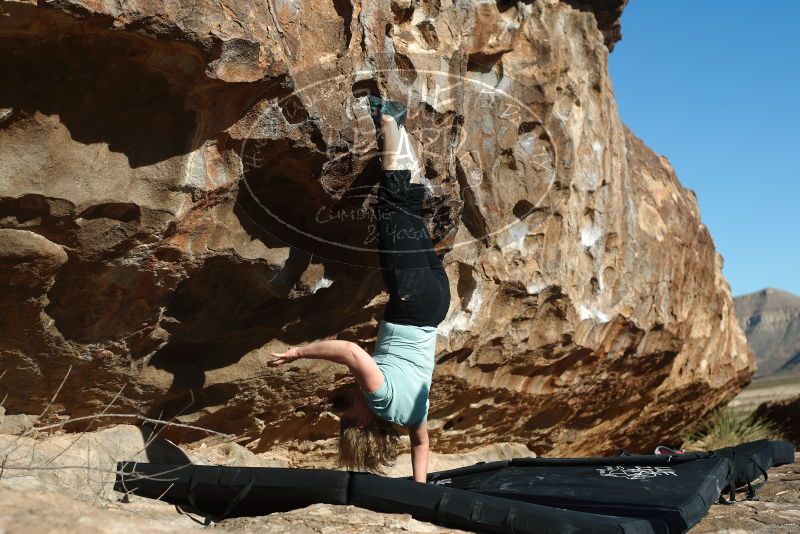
[
  {"x": 753, "y": 459},
  {"x": 222, "y": 491},
  {"x": 634, "y": 494},
  {"x": 671, "y": 492}
]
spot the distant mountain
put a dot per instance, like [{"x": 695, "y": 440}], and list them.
[{"x": 770, "y": 319}]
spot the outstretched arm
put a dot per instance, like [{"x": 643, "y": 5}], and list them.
[
  {"x": 360, "y": 363},
  {"x": 419, "y": 451}
]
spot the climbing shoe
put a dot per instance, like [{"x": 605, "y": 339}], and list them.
[{"x": 393, "y": 108}]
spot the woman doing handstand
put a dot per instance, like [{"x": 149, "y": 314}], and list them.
[{"x": 394, "y": 382}]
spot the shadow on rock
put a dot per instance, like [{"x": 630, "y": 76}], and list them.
[
  {"x": 113, "y": 87},
  {"x": 227, "y": 309}
]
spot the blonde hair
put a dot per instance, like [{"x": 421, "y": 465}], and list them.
[{"x": 371, "y": 448}]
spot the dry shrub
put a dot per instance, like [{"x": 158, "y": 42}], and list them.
[{"x": 725, "y": 428}]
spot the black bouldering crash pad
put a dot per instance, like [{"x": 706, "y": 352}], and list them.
[{"x": 621, "y": 494}]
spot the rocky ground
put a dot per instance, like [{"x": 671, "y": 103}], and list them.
[
  {"x": 49, "y": 511},
  {"x": 62, "y": 483},
  {"x": 775, "y": 509}
]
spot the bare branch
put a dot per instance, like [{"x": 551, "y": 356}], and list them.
[
  {"x": 133, "y": 475},
  {"x": 106, "y": 475},
  {"x": 153, "y": 436},
  {"x": 54, "y": 468},
  {"x": 87, "y": 426},
  {"x": 4, "y": 462},
  {"x": 165, "y": 491},
  {"x": 128, "y": 416},
  {"x": 49, "y": 404},
  {"x": 46, "y": 408}
]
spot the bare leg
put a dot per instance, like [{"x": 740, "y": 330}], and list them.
[{"x": 397, "y": 150}]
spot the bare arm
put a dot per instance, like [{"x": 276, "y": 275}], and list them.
[
  {"x": 360, "y": 363},
  {"x": 419, "y": 451}
]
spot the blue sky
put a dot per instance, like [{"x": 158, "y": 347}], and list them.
[{"x": 715, "y": 87}]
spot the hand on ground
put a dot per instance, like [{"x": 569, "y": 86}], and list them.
[{"x": 279, "y": 358}]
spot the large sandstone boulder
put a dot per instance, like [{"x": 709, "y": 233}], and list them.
[{"x": 186, "y": 186}]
